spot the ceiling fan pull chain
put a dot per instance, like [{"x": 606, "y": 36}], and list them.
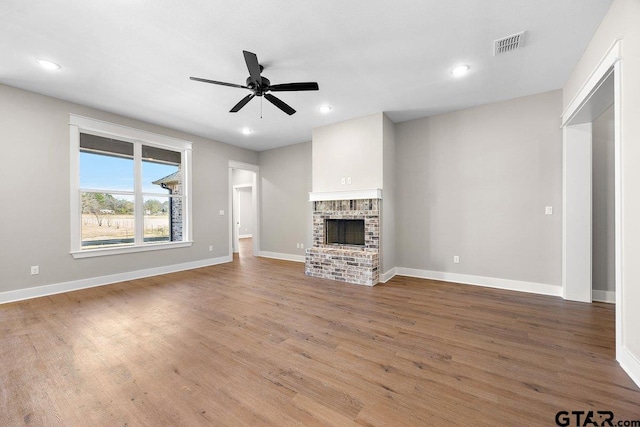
[{"x": 261, "y": 106}]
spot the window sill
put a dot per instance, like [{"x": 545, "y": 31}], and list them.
[{"x": 90, "y": 253}]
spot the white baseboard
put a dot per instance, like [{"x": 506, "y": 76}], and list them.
[
  {"x": 58, "y": 288},
  {"x": 284, "y": 257},
  {"x": 490, "y": 282},
  {"x": 603, "y": 296},
  {"x": 388, "y": 275},
  {"x": 630, "y": 364}
]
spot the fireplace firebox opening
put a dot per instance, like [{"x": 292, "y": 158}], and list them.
[{"x": 344, "y": 232}]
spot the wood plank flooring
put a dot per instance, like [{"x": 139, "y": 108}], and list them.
[{"x": 255, "y": 342}]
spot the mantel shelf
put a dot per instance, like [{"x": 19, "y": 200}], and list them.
[{"x": 373, "y": 193}]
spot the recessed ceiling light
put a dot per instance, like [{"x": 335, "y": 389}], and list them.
[
  {"x": 48, "y": 65},
  {"x": 247, "y": 131},
  {"x": 324, "y": 109},
  {"x": 460, "y": 70}
]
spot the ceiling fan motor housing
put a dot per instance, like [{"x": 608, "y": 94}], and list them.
[{"x": 263, "y": 87}]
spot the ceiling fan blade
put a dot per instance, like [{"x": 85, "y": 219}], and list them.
[
  {"x": 242, "y": 103},
  {"x": 254, "y": 67},
  {"x": 290, "y": 87},
  {"x": 279, "y": 103},
  {"x": 198, "y": 79}
]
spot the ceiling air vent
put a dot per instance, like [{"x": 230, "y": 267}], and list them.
[{"x": 508, "y": 44}]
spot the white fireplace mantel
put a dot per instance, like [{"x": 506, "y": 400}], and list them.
[{"x": 373, "y": 193}]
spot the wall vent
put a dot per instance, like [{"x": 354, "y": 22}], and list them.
[{"x": 508, "y": 44}]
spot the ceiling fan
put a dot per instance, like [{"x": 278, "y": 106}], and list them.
[{"x": 261, "y": 86}]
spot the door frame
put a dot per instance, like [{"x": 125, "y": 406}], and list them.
[
  {"x": 255, "y": 199},
  {"x": 574, "y": 129}
]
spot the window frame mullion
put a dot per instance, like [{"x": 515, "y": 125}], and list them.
[{"x": 138, "y": 197}]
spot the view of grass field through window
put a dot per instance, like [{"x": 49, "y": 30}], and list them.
[{"x": 107, "y": 189}]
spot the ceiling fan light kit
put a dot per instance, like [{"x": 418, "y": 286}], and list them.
[{"x": 261, "y": 86}]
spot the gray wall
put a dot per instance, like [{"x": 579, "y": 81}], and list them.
[
  {"x": 603, "y": 238},
  {"x": 286, "y": 212},
  {"x": 475, "y": 183},
  {"x": 34, "y": 130}
]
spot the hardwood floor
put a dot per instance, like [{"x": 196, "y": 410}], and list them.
[{"x": 255, "y": 342}]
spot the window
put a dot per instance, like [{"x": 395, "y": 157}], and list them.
[{"x": 129, "y": 189}]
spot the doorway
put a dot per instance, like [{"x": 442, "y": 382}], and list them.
[
  {"x": 603, "y": 207},
  {"x": 600, "y": 94},
  {"x": 242, "y": 211},
  {"x": 244, "y": 224}
]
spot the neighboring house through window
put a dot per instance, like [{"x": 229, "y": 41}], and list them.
[
  {"x": 173, "y": 184},
  {"x": 129, "y": 189}
]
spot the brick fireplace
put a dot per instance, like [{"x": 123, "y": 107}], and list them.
[{"x": 352, "y": 263}]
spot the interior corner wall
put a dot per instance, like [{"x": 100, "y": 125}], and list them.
[
  {"x": 35, "y": 214},
  {"x": 388, "y": 228},
  {"x": 286, "y": 213},
  {"x": 603, "y": 212},
  {"x": 621, "y": 22},
  {"x": 474, "y": 184}
]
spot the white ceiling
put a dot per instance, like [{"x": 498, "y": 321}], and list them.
[{"x": 134, "y": 57}]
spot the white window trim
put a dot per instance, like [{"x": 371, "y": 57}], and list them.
[{"x": 78, "y": 124}]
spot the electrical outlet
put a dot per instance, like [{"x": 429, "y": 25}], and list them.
[
  {"x": 456, "y": 259},
  {"x": 221, "y": 212},
  {"x": 548, "y": 210},
  {"x": 343, "y": 181},
  {"x": 349, "y": 180},
  {"x": 35, "y": 270},
  {"x": 211, "y": 248},
  {"x": 301, "y": 245}
]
